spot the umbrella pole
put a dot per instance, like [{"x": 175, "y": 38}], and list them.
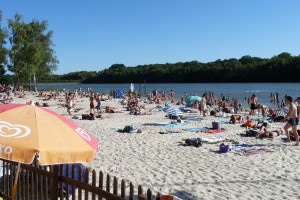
[{"x": 14, "y": 190}]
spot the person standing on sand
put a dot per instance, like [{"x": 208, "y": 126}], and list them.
[
  {"x": 298, "y": 107},
  {"x": 203, "y": 104},
  {"x": 253, "y": 101},
  {"x": 292, "y": 120},
  {"x": 172, "y": 95},
  {"x": 98, "y": 101},
  {"x": 92, "y": 104}
]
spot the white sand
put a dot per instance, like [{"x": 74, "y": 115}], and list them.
[{"x": 160, "y": 161}]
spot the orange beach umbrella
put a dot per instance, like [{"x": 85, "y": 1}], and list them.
[{"x": 27, "y": 130}]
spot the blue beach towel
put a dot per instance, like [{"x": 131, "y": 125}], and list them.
[
  {"x": 223, "y": 122},
  {"x": 193, "y": 118},
  {"x": 196, "y": 129},
  {"x": 176, "y": 124}
]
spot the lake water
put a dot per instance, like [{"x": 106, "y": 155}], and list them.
[{"x": 238, "y": 90}]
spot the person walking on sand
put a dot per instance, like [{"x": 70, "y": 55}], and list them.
[{"x": 292, "y": 118}]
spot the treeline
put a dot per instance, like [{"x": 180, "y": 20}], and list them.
[{"x": 280, "y": 68}]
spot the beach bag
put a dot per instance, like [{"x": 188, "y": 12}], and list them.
[
  {"x": 197, "y": 142},
  {"x": 85, "y": 116},
  {"x": 224, "y": 148},
  {"x": 216, "y": 125}
]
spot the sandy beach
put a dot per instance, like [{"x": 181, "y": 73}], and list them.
[{"x": 270, "y": 169}]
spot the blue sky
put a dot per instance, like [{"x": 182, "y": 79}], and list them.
[{"x": 92, "y": 35}]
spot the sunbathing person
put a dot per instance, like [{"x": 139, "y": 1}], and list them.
[
  {"x": 264, "y": 133},
  {"x": 236, "y": 119},
  {"x": 109, "y": 109},
  {"x": 139, "y": 111}
]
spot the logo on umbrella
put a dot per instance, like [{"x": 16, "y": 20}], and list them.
[
  {"x": 16, "y": 131},
  {"x": 83, "y": 133}
]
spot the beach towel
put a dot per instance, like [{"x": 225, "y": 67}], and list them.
[
  {"x": 176, "y": 124},
  {"x": 192, "y": 118},
  {"x": 196, "y": 129},
  {"x": 223, "y": 121},
  {"x": 168, "y": 132},
  {"x": 239, "y": 146},
  {"x": 246, "y": 150},
  {"x": 165, "y": 124},
  {"x": 214, "y": 140},
  {"x": 213, "y": 131},
  {"x": 251, "y": 151}
]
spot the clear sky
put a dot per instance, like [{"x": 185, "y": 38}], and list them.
[{"x": 92, "y": 35}]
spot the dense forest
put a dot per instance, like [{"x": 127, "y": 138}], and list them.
[{"x": 281, "y": 68}]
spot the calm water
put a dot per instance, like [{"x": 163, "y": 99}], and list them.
[{"x": 238, "y": 90}]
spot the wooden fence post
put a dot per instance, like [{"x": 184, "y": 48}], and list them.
[{"x": 54, "y": 183}]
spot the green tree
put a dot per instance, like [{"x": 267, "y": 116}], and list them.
[
  {"x": 3, "y": 51},
  {"x": 31, "y": 54}
]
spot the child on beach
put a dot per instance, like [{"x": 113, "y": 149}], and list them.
[{"x": 98, "y": 106}]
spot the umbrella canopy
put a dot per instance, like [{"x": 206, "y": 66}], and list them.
[
  {"x": 173, "y": 111},
  {"x": 191, "y": 99},
  {"x": 27, "y": 130}
]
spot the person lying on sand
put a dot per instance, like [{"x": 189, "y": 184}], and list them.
[
  {"x": 109, "y": 109},
  {"x": 130, "y": 129},
  {"x": 236, "y": 119},
  {"x": 264, "y": 133}
]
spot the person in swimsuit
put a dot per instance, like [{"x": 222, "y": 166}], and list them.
[
  {"x": 292, "y": 118},
  {"x": 203, "y": 104},
  {"x": 236, "y": 119},
  {"x": 298, "y": 106},
  {"x": 264, "y": 133},
  {"x": 253, "y": 101}
]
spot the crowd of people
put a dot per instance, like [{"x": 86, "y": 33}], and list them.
[{"x": 136, "y": 104}]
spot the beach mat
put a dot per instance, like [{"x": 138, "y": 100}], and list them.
[
  {"x": 213, "y": 131},
  {"x": 196, "y": 129}
]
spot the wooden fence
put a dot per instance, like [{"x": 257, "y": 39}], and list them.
[{"x": 72, "y": 181}]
